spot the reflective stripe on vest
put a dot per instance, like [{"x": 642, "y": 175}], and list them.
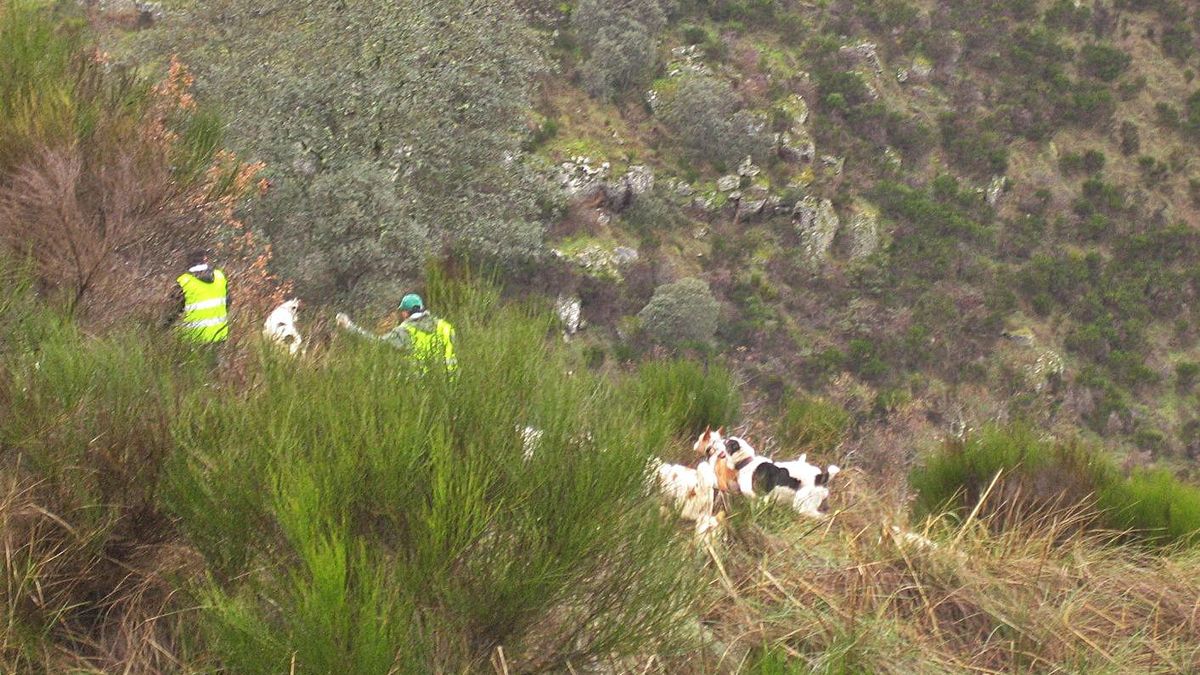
[
  {"x": 205, "y": 318},
  {"x": 425, "y": 345}
]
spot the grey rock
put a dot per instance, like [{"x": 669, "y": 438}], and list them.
[
  {"x": 568, "y": 309},
  {"x": 751, "y": 208},
  {"x": 817, "y": 223},
  {"x": 624, "y": 255},
  {"x": 837, "y": 164},
  {"x": 863, "y": 231},
  {"x": 728, "y": 183},
  {"x": 748, "y": 169},
  {"x": 863, "y": 53},
  {"x": 995, "y": 190}
]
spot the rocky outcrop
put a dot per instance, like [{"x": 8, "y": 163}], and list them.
[
  {"x": 996, "y": 190},
  {"x": 580, "y": 177},
  {"x": 637, "y": 181},
  {"x": 817, "y": 223},
  {"x": 569, "y": 309},
  {"x": 862, "y": 54},
  {"x": 862, "y": 232}
]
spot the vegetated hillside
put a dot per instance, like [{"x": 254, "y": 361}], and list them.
[
  {"x": 863, "y": 284},
  {"x": 977, "y": 210},
  {"x": 950, "y": 212}
]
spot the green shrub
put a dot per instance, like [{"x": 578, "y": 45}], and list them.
[
  {"x": 1177, "y": 41},
  {"x": 680, "y": 313},
  {"x": 1039, "y": 476},
  {"x": 706, "y": 118},
  {"x": 691, "y": 395},
  {"x": 1066, "y": 15},
  {"x": 1131, "y": 141},
  {"x": 620, "y": 38},
  {"x": 982, "y": 153},
  {"x": 812, "y": 424},
  {"x": 622, "y": 56},
  {"x": 1153, "y": 505},
  {"x": 380, "y": 153},
  {"x": 1104, "y": 62},
  {"x": 1186, "y": 374}
]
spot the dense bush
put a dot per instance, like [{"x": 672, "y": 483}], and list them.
[
  {"x": 621, "y": 41},
  {"x": 104, "y": 175},
  {"x": 1038, "y": 476},
  {"x": 426, "y": 101},
  {"x": 680, "y": 313},
  {"x": 1104, "y": 61},
  {"x": 346, "y": 514},
  {"x": 979, "y": 152},
  {"x": 705, "y": 115}
]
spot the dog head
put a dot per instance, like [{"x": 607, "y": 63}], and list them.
[
  {"x": 738, "y": 452},
  {"x": 710, "y": 443}
]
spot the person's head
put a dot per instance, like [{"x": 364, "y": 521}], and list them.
[
  {"x": 411, "y": 304},
  {"x": 197, "y": 258}
]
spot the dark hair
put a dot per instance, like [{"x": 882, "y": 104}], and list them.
[{"x": 197, "y": 257}]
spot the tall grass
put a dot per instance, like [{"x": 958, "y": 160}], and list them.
[
  {"x": 1036, "y": 476},
  {"x": 691, "y": 395},
  {"x": 361, "y": 516}
]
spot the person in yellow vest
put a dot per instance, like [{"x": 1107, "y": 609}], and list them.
[
  {"x": 201, "y": 311},
  {"x": 419, "y": 333}
]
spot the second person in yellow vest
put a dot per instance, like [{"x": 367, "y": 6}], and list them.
[{"x": 419, "y": 333}]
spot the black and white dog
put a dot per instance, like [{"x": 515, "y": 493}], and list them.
[{"x": 803, "y": 485}]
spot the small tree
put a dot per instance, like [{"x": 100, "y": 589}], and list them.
[
  {"x": 680, "y": 312},
  {"x": 705, "y": 115}
]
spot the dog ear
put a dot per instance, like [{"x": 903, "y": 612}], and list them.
[
  {"x": 803, "y": 458},
  {"x": 821, "y": 479},
  {"x": 732, "y": 446}
]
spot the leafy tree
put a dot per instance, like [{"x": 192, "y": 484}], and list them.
[
  {"x": 705, "y": 115},
  {"x": 679, "y": 312},
  {"x": 390, "y": 129}
]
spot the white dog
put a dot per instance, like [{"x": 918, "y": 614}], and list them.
[{"x": 280, "y": 326}]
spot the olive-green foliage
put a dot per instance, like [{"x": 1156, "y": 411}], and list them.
[
  {"x": 622, "y": 55},
  {"x": 348, "y": 101},
  {"x": 40, "y": 47},
  {"x": 621, "y": 41},
  {"x": 693, "y": 396},
  {"x": 1103, "y": 61},
  {"x": 681, "y": 312},
  {"x": 410, "y": 517},
  {"x": 1038, "y": 474},
  {"x": 705, "y": 116}
]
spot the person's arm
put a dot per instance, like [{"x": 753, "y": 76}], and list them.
[{"x": 397, "y": 337}]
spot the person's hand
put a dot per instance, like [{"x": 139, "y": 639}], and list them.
[{"x": 343, "y": 320}]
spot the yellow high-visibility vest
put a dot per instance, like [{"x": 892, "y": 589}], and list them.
[
  {"x": 426, "y": 345},
  {"x": 205, "y": 317}
]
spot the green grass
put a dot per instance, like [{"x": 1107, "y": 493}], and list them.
[
  {"x": 1040, "y": 475},
  {"x": 690, "y": 395},
  {"x": 352, "y": 514}
]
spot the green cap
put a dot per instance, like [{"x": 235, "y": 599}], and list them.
[{"x": 412, "y": 301}]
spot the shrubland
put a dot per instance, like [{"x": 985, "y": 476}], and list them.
[{"x": 958, "y": 262}]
